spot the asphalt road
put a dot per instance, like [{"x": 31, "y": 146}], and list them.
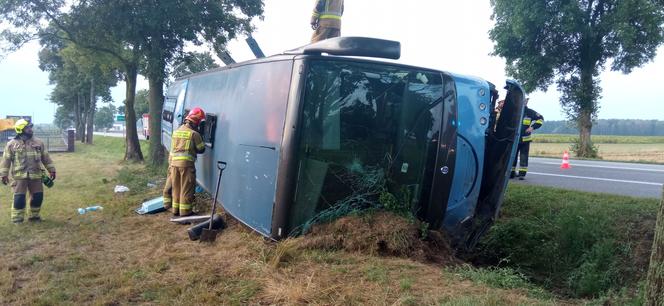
[{"x": 630, "y": 179}]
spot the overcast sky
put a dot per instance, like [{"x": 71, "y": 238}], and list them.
[{"x": 442, "y": 34}]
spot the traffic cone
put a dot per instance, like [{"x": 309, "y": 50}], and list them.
[{"x": 565, "y": 164}]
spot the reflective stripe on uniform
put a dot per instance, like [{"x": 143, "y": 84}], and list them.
[
  {"x": 200, "y": 146},
  {"x": 527, "y": 138},
  {"x": 522, "y": 169},
  {"x": 34, "y": 212},
  {"x": 182, "y": 156},
  {"x": 182, "y": 134},
  {"x": 176, "y": 205},
  {"x": 185, "y": 206},
  {"x": 328, "y": 16},
  {"x": 17, "y": 214},
  {"x": 527, "y": 121},
  {"x": 539, "y": 121}
]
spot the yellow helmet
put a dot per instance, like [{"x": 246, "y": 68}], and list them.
[{"x": 20, "y": 125}]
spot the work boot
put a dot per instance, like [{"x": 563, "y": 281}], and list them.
[
  {"x": 36, "y": 219},
  {"x": 522, "y": 177},
  {"x": 17, "y": 221},
  {"x": 512, "y": 174}
]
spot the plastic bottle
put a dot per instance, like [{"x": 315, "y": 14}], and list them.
[{"x": 82, "y": 211}]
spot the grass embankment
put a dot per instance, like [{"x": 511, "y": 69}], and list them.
[
  {"x": 616, "y": 148},
  {"x": 575, "y": 244},
  {"x": 117, "y": 257}
]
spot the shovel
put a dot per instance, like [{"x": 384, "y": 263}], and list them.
[{"x": 209, "y": 234}]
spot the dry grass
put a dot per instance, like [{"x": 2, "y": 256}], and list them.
[
  {"x": 650, "y": 152},
  {"x": 115, "y": 257}
]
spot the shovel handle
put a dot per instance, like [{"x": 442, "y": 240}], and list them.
[{"x": 221, "y": 165}]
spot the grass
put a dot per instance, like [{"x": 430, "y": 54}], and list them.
[
  {"x": 598, "y": 139},
  {"x": 115, "y": 257},
  {"x": 574, "y": 243},
  {"x": 642, "y": 149}
]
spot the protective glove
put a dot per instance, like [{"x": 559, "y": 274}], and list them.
[
  {"x": 52, "y": 175},
  {"x": 314, "y": 23},
  {"x": 5, "y": 180}
]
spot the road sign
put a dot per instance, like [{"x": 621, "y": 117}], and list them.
[{"x": 120, "y": 118}]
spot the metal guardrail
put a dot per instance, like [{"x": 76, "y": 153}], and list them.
[{"x": 56, "y": 140}]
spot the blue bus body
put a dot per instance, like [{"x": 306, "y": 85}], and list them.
[{"x": 305, "y": 134}]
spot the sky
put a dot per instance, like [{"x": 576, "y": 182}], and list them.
[{"x": 441, "y": 34}]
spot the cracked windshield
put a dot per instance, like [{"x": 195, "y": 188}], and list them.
[{"x": 369, "y": 133}]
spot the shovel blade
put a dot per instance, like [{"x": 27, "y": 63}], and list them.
[{"x": 208, "y": 235}]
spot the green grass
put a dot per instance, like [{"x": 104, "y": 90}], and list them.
[
  {"x": 116, "y": 257},
  {"x": 578, "y": 244}
]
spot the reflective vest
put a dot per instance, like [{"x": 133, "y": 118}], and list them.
[
  {"x": 24, "y": 158},
  {"x": 185, "y": 144},
  {"x": 328, "y": 13},
  {"x": 532, "y": 119}
]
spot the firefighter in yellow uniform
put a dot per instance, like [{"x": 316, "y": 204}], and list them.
[
  {"x": 24, "y": 156},
  {"x": 186, "y": 142},
  {"x": 326, "y": 19}
]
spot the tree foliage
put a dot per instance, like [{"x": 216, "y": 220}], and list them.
[
  {"x": 138, "y": 35},
  {"x": 81, "y": 77},
  {"x": 104, "y": 117},
  {"x": 193, "y": 62},
  {"x": 570, "y": 42}
]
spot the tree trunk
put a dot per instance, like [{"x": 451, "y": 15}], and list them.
[
  {"x": 133, "y": 147},
  {"x": 655, "y": 280},
  {"x": 156, "y": 101},
  {"x": 91, "y": 113},
  {"x": 585, "y": 127},
  {"x": 587, "y": 105},
  {"x": 78, "y": 116}
]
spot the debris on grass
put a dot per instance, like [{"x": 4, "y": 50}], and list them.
[{"x": 120, "y": 189}]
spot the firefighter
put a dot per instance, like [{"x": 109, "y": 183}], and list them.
[
  {"x": 24, "y": 155},
  {"x": 186, "y": 142},
  {"x": 326, "y": 19},
  {"x": 532, "y": 120}
]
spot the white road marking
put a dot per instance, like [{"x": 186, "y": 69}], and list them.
[
  {"x": 597, "y": 178},
  {"x": 607, "y": 167}
]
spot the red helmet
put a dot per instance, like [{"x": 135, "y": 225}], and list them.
[{"x": 196, "y": 115}]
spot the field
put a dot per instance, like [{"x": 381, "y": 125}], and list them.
[
  {"x": 649, "y": 149},
  {"x": 115, "y": 257}
]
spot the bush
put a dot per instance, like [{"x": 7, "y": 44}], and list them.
[{"x": 579, "y": 244}]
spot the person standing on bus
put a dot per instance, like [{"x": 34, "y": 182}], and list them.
[
  {"x": 532, "y": 120},
  {"x": 326, "y": 19},
  {"x": 186, "y": 142}
]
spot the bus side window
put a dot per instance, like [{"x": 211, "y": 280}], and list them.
[{"x": 207, "y": 129}]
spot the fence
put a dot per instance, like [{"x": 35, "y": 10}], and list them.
[{"x": 55, "y": 139}]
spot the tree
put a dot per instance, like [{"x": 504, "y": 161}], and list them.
[
  {"x": 168, "y": 26},
  {"x": 193, "y": 62},
  {"x": 104, "y": 118},
  {"x": 655, "y": 279},
  {"x": 103, "y": 26},
  {"x": 570, "y": 41},
  {"x": 81, "y": 77},
  {"x": 141, "y": 105}
]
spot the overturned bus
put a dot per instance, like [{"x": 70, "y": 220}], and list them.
[{"x": 325, "y": 128}]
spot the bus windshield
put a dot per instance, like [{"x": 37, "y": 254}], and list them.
[{"x": 369, "y": 137}]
